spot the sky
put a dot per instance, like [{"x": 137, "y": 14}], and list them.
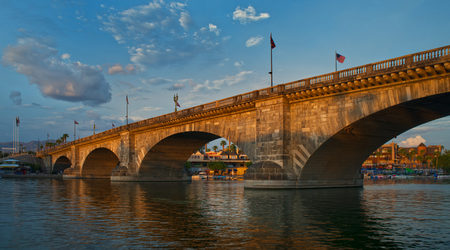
[{"x": 62, "y": 61}]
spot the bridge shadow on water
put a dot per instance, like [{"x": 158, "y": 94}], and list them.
[
  {"x": 220, "y": 214},
  {"x": 313, "y": 218}
]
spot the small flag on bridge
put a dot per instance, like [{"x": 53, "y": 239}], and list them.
[
  {"x": 75, "y": 122},
  {"x": 127, "y": 100},
  {"x": 17, "y": 121},
  {"x": 340, "y": 58},
  {"x": 272, "y": 43}
]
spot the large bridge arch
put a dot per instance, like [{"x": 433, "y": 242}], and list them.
[
  {"x": 61, "y": 164},
  {"x": 165, "y": 159},
  {"x": 341, "y": 156},
  {"x": 99, "y": 163}
]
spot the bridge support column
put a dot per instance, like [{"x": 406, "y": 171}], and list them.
[
  {"x": 47, "y": 160},
  {"x": 272, "y": 168},
  {"x": 127, "y": 169},
  {"x": 75, "y": 169}
]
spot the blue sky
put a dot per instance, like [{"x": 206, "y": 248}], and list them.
[{"x": 77, "y": 60}]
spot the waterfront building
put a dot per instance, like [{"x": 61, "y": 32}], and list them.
[
  {"x": 391, "y": 155},
  {"x": 236, "y": 162}
]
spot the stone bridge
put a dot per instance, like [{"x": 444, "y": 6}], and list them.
[{"x": 314, "y": 132}]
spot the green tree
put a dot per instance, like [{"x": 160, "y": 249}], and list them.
[
  {"x": 64, "y": 137},
  {"x": 444, "y": 161},
  {"x": 223, "y": 143},
  {"x": 233, "y": 148},
  {"x": 215, "y": 148},
  {"x": 216, "y": 165},
  {"x": 436, "y": 156}
]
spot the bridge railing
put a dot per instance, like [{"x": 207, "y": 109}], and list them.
[{"x": 394, "y": 64}]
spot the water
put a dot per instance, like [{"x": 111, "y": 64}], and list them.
[{"x": 96, "y": 214}]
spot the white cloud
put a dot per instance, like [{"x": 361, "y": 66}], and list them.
[
  {"x": 65, "y": 56},
  {"x": 248, "y": 15},
  {"x": 119, "y": 69},
  {"x": 412, "y": 141},
  {"x": 213, "y": 28},
  {"x": 159, "y": 33},
  {"x": 58, "y": 79},
  {"x": 115, "y": 69},
  {"x": 217, "y": 84},
  {"x": 252, "y": 41},
  {"x": 238, "y": 64},
  {"x": 185, "y": 20}
]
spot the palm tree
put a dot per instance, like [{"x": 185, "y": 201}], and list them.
[
  {"x": 215, "y": 148},
  {"x": 64, "y": 137},
  {"x": 223, "y": 143},
  {"x": 58, "y": 141},
  {"x": 233, "y": 148},
  {"x": 436, "y": 157}
]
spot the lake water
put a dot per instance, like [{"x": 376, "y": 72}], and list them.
[{"x": 91, "y": 214}]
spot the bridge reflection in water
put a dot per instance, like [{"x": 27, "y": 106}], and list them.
[
  {"x": 314, "y": 132},
  {"x": 100, "y": 213}
]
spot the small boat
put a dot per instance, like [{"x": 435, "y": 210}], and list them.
[{"x": 9, "y": 166}]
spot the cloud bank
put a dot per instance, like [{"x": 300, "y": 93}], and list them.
[
  {"x": 160, "y": 33},
  {"x": 57, "y": 78}
]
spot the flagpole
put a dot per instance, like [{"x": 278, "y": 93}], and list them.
[
  {"x": 335, "y": 61},
  {"x": 127, "y": 110},
  {"x": 271, "y": 70},
  {"x": 74, "y": 131},
  {"x": 18, "y": 135},
  {"x": 14, "y": 136}
]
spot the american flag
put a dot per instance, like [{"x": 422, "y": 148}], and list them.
[
  {"x": 272, "y": 43},
  {"x": 340, "y": 58}
]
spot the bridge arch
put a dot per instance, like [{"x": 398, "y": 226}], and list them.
[
  {"x": 340, "y": 157},
  {"x": 99, "y": 163},
  {"x": 166, "y": 159},
  {"x": 62, "y": 163}
]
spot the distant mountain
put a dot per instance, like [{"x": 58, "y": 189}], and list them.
[{"x": 26, "y": 146}]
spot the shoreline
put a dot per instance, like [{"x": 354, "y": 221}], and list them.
[{"x": 31, "y": 176}]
